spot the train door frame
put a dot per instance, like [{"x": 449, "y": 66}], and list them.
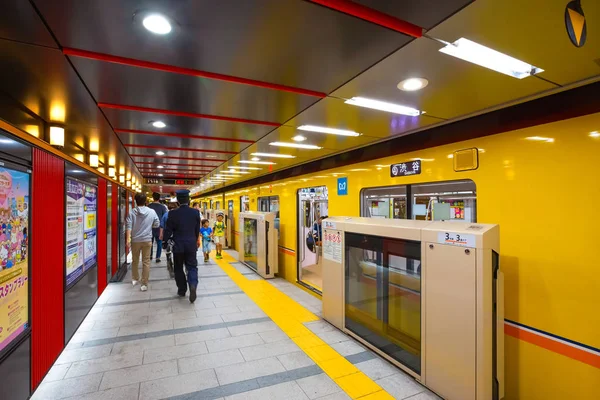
[
  {"x": 229, "y": 241},
  {"x": 300, "y": 233}
]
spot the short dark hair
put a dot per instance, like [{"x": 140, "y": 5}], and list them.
[
  {"x": 204, "y": 221},
  {"x": 156, "y": 196},
  {"x": 140, "y": 199}
]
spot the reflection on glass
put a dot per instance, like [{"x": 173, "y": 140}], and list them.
[
  {"x": 250, "y": 238},
  {"x": 383, "y": 295}
]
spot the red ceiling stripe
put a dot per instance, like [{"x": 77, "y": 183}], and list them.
[
  {"x": 373, "y": 16},
  {"x": 211, "y": 167},
  {"x": 177, "y": 158},
  {"x": 186, "y": 114},
  {"x": 182, "y": 135},
  {"x": 187, "y": 71},
  {"x": 143, "y": 146}
]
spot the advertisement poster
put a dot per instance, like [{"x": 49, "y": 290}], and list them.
[
  {"x": 81, "y": 228},
  {"x": 14, "y": 267}
]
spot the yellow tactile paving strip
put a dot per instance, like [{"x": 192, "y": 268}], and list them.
[{"x": 290, "y": 317}]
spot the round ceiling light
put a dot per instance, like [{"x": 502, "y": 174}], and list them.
[
  {"x": 158, "y": 124},
  {"x": 412, "y": 84},
  {"x": 298, "y": 138},
  {"x": 160, "y": 153},
  {"x": 160, "y": 167},
  {"x": 157, "y": 23}
]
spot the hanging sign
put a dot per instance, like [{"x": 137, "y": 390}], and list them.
[
  {"x": 405, "y": 168},
  {"x": 575, "y": 23}
]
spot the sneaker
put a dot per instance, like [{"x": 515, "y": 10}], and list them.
[
  {"x": 181, "y": 294},
  {"x": 134, "y": 282},
  {"x": 192, "y": 294},
  {"x": 144, "y": 288},
  {"x": 158, "y": 260}
]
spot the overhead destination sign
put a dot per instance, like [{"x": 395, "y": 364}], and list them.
[
  {"x": 177, "y": 182},
  {"x": 405, "y": 168}
]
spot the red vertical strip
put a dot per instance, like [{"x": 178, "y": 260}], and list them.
[
  {"x": 101, "y": 235},
  {"x": 47, "y": 263},
  {"x": 114, "y": 228}
]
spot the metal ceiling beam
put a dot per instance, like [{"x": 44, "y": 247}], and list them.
[
  {"x": 182, "y": 135},
  {"x": 219, "y": 160},
  {"x": 143, "y": 146},
  {"x": 187, "y": 71},
  {"x": 371, "y": 15}
]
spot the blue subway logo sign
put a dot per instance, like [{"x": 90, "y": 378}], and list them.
[{"x": 342, "y": 186}]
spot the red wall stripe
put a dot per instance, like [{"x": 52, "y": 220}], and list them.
[
  {"x": 101, "y": 235},
  {"x": 143, "y": 146},
  {"x": 47, "y": 263},
  {"x": 182, "y": 135},
  {"x": 373, "y": 16},
  {"x": 114, "y": 229},
  {"x": 186, "y": 114},
  {"x": 187, "y": 71}
]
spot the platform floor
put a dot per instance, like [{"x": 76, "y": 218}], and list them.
[{"x": 244, "y": 338}]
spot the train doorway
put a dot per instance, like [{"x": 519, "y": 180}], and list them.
[{"x": 312, "y": 205}]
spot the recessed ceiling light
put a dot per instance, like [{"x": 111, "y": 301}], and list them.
[
  {"x": 160, "y": 153},
  {"x": 595, "y": 134},
  {"x": 475, "y": 53},
  {"x": 160, "y": 167},
  {"x": 256, "y": 162},
  {"x": 210, "y": 156},
  {"x": 299, "y": 138},
  {"x": 296, "y": 145},
  {"x": 383, "y": 106},
  {"x": 252, "y": 168},
  {"x": 412, "y": 84},
  {"x": 255, "y": 158},
  {"x": 331, "y": 131},
  {"x": 158, "y": 124},
  {"x": 273, "y": 155},
  {"x": 157, "y": 23},
  {"x": 160, "y": 175}
]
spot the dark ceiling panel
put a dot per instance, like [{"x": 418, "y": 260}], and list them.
[
  {"x": 178, "y": 152},
  {"x": 188, "y": 143},
  {"x": 20, "y": 22},
  {"x": 289, "y": 42},
  {"x": 424, "y": 13},
  {"x": 121, "y": 84}
]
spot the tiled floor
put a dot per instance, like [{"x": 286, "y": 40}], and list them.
[{"x": 154, "y": 345}]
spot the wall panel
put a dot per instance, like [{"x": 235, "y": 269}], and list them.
[
  {"x": 101, "y": 235},
  {"x": 114, "y": 229}
]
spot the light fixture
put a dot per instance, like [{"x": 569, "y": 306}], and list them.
[
  {"x": 160, "y": 166},
  {"x": 233, "y": 171},
  {"x": 476, "y": 53},
  {"x": 331, "y": 131},
  {"x": 383, "y": 106},
  {"x": 157, "y": 23},
  {"x": 249, "y": 168},
  {"x": 412, "y": 84},
  {"x": 122, "y": 178},
  {"x": 128, "y": 183},
  {"x": 160, "y": 175},
  {"x": 57, "y": 136},
  {"x": 256, "y": 162},
  {"x": 255, "y": 159},
  {"x": 277, "y": 155},
  {"x": 299, "y": 138},
  {"x": 595, "y": 134},
  {"x": 160, "y": 153},
  {"x": 158, "y": 124},
  {"x": 101, "y": 170},
  {"x": 540, "y": 139},
  {"x": 94, "y": 160},
  {"x": 295, "y": 145},
  {"x": 111, "y": 172}
]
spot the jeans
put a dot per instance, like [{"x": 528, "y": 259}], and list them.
[
  {"x": 155, "y": 238},
  {"x": 136, "y": 249},
  {"x": 189, "y": 258}
]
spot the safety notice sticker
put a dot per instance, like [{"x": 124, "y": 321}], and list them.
[
  {"x": 456, "y": 239},
  {"x": 332, "y": 245}
]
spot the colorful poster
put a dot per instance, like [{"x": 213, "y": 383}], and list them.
[
  {"x": 14, "y": 266},
  {"x": 81, "y": 228}
]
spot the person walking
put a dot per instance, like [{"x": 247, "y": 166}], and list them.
[
  {"x": 183, "y": 226},
  {"x": 139, "y": 225},
  {"x": 160, "y": 210}
]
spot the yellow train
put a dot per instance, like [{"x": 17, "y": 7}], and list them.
[{"x": 540, "y": 184}]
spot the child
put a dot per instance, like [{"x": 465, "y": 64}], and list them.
[
  {"x": 206, "y": 233},
  {"x": 219, "y": 234}
]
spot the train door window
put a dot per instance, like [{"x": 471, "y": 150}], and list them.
[
  {"x": 384, "y": 202},
  {"x": 230, "y": 225},
  {"x": 244, "y": 203},
  {"x": 312, "y": 204},
  {"x": 448, "y": 201},
  {"x": 217, "y": 205},
  {"x": 270, "y": 204}
]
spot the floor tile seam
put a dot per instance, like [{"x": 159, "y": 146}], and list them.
[{"x": 224, "y": 264}]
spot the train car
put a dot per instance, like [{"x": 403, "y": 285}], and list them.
[{"x": 533, "y": 182}]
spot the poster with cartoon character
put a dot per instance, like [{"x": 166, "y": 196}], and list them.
[{"x": 14, "y": 266}]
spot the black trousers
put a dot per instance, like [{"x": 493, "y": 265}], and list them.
[{"x": 189, "y": 259}]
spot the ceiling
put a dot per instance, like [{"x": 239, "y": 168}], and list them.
[{"x": 234, "y": 76}]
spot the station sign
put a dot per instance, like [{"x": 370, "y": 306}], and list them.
[
  {"x": 405, "y": 168},
  {"x": 176, "y": 182},
  {"x": 342, "y": 186}
]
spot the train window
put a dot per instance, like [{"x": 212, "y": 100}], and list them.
[
  {"x": 244, "y": 203},
  {"x": 433, "y": 201}
]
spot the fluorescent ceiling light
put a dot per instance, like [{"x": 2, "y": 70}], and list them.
[
  {"x": 412, "y": 84},
  {"x": 299, "y": 138},
  {"x": 295, "y": 145},
  {"x": 475, "y": 53},
  {"x": 273, "y": 155},
  {"x": 252, "y": 168},
  {"x": 255, "y": 159},
  {"x": 331, "y": 131},
  {"x": 158, "y": 124},
  {"x": 160, "y": 153},
  {"x": 255, "y": 162},
  {"x": 234, "y": 172},
  {"x": 158, "y": 24},
  {"x": 540, "y": 139},
  {"x": 160, "y": 175},
  {"x": 595, "y": 134},
  {"x": 383, "y": 106},
  {"x": 160, "y": 166}
]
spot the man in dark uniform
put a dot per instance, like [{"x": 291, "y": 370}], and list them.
[{"x": 183, "y": 226}]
